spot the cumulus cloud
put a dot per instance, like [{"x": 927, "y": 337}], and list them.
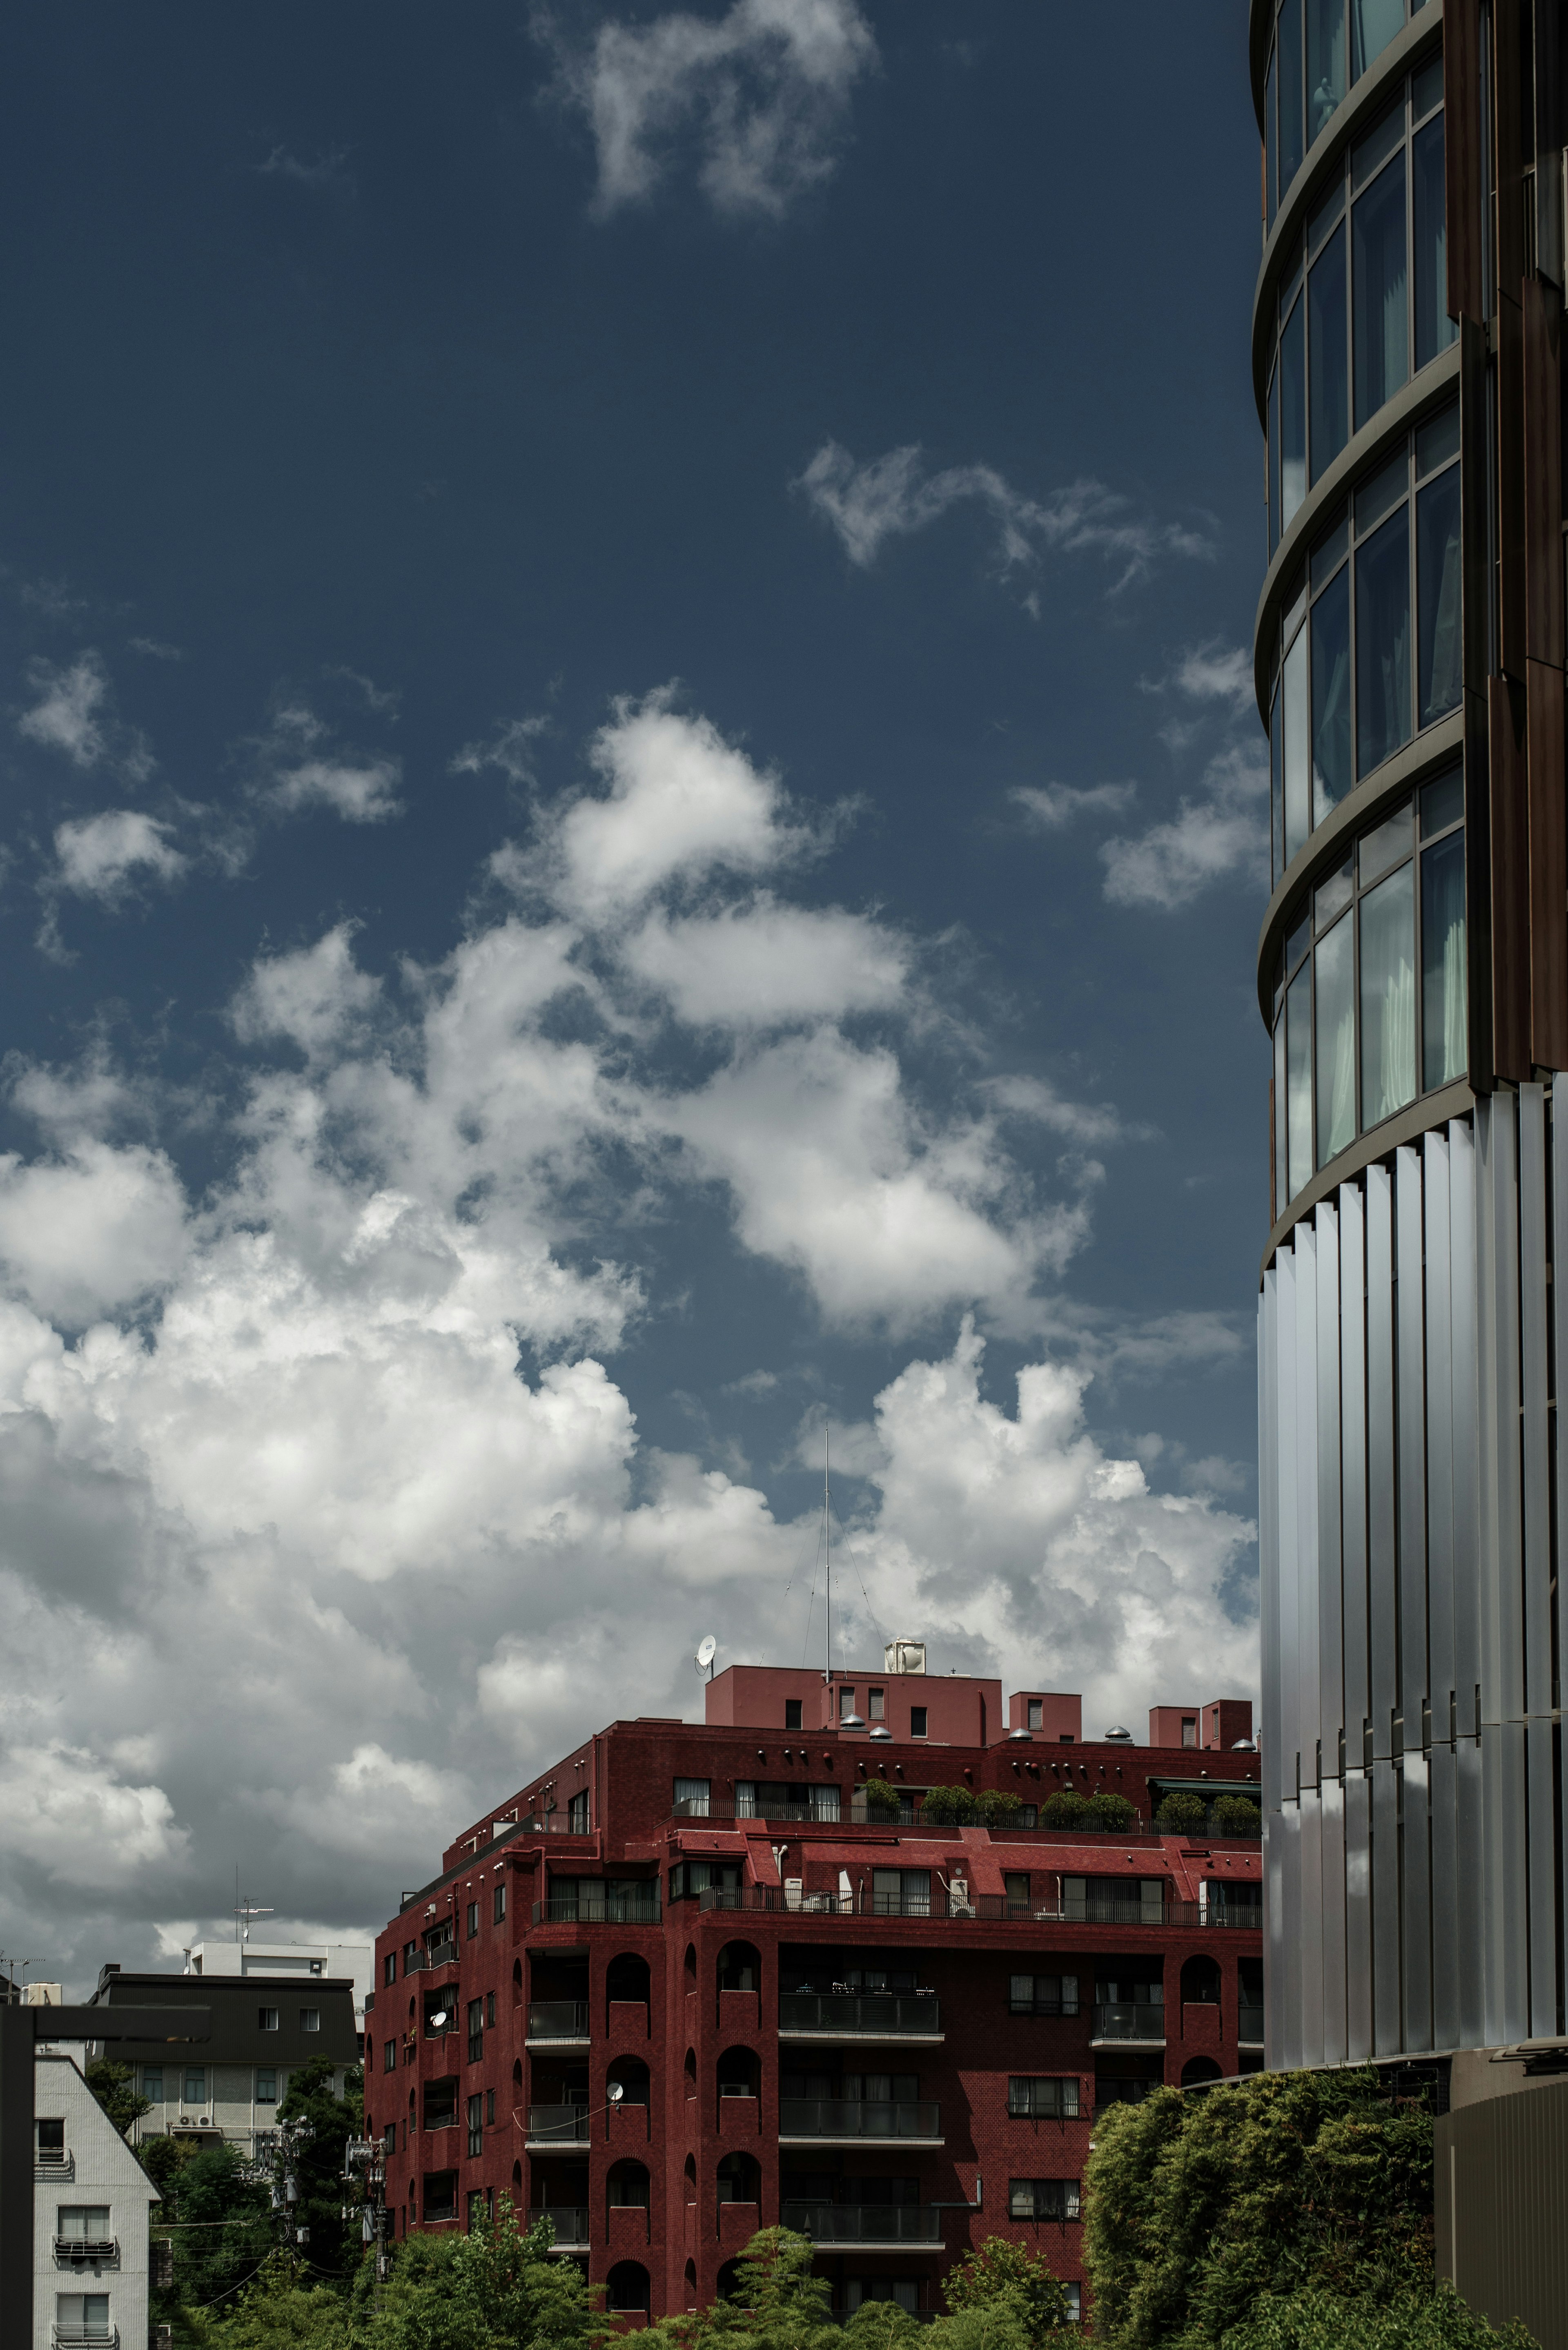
[
  {"x": 1053, "y": 806},
  {"x": 94, "y": 1230},
  {"x": 510, "y": 749},
  {"x": 98, "y": 855},
  {"x": 755, "y": 100},
  {"x": 761, "y": 964},
  {"x": 892, "y": 497},
  {"x": 299, "y": 768},
  {"x": 1221, "y": 834},
  {"x": 73, "y": 714},
  {"x": 309, "y": 996}
]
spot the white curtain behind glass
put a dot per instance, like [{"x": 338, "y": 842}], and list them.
[{"x": 1388, "y": 996}]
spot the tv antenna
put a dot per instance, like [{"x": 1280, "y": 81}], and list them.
[{"x": 707, "y": 1650}]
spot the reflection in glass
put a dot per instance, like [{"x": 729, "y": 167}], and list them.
[
  {"x": 1274, "y": 458},
  {"x": 1437, "y": 597},
  {"x": 1331, "y": 775},
  {"x": 1282, "y": 1163},
  {"x": 1298, "y": 1077},
  {"x": 1388, "y": 996},
  {"x": 1335, "y": 1042},
  {"x": 1289, "y": 57},
  {"x": 1435, "y": 330},
  {"x": 1438, "y": 442},
  {"x": 1324, "y": 61},
  {"x": 1382, "y": 331},
  {"x": 1381, "y": 492},
  {"x": 1372, "y": 24},
  {"x": 1276, "y": 791},
  {"x": 1331, "y": 897},
  {"x": 1299, "y": 940},
  {"x": 1293, "y": 414},
  {"x": 1383, "y": 642},
  {"x": 1330, "y": 356},
  {"x": 1385, "y": 844},
  {"x": 1270, "y": 144},
  {"x": 1444, "y": 1052},
  {"x": 1298, "y": 762},
  {"x": 1442, "y": 803}
]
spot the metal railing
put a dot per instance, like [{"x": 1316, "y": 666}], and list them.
[
  {"x": 857, "y": 2117},
  {"x": 441, "y": 1954},
  {"x": 48, "y": 2165},
  {"x": 1249, "y": 2026},
  {"x": 570, "y": 2224},
  {"x": 558, "y": 2019},
  {"x": 87, "y": 2337},
  {"x": 597, "y": 1909},
  {"x": 569, "y": 2125},
  {"x": 1085, "y": 1909},
  {"x": 1123, "y": 2093},
  {"x": 889, "y": 2015},
  {"x": 866, "y": 2223},
  {"x": 1130, "y": 2020},
  {"x": 87, "y": 2251},
  {"x": 415, "y": 1962}
]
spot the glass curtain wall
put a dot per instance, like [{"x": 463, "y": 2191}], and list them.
[
  {"x": 1362, "y": 301},
  {"x": 1371, "y": 636},
  {"x": 1320, "y": 49},
  {"x": 1370, "y": 992}
]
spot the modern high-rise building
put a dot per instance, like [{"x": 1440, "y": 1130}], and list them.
[{"x": 1413, "y": 976}]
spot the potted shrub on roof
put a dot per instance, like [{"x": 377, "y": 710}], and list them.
[
  {"x": 1065, "y": 1809},
  {"x": 881, "y": 1799},
  {"x": 1236, "y": 1815},
  {"x": 948, "y": 1807},
  {"x": 1181, "y": 1813}
]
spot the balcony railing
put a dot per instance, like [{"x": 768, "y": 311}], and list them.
[
  {"x": 558, "y": 2019},
  {"x": 439, "y": 2117},
  {"x": 638, "y": 1908},
  {"x": 867, "y": 2225},
  {"x": 85, "y": 2337},
  {"x": 571, "y": 2225},
  {"x": 47, "y": 2164},
  {"x": 87, "y": 2251},
  {"x": 1123, "y": 2093},
  {"x": 1249, "y": 2026},
  {"x": 1133, "y": 2020},
  {"x": 857, "y": 2117},
  {"x": 441, "y": 1954},
  {"x": 879, "y": 2015},
  {"x": 986, "y": 1909},
  {"x": 415, "y": 1962},
  {"x": 562, "y": 2125}
]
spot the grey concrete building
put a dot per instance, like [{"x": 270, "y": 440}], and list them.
[
  {"x": 91, "y": 2201},
  {"x": 262, "y": 2029}
]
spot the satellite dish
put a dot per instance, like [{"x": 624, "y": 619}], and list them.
[
  {"x": 615, "y": 2093},
  {"x": 707, "y": 1650},
  {"x": 437, "y": 2020}
]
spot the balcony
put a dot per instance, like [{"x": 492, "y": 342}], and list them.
[
  {"x": 1250, "y": 2027},
  {"x": 85, "y": 2337},
  {"x": 52, "y": 2163},
  {"x": 868, "y": 2227},
  {"x": 571, "y": 2225},
  {"x": 558, "y": 2019},
  {"x": 552, "y": 2125},
  {"x": 851, "y": 2015},
  {"x": 850, "y": 2121},
  {"x": 595, "y": 1908},
  {"x": 440, "y": 1954},
  {"x": 1127, "y": 2026},
  {"x": 87, "y": 2251}
]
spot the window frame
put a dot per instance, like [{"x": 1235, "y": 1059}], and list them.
[{"x": 1274, "y": 195}]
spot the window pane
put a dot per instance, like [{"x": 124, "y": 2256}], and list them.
[
  {"x": 1426, "y": 89},
  {"x": 1435, "y": 330},
  {"x": 1438, "y": 442},
  {"x": 1298, "y": 803},
  {"x": 1274, "y": 483},
  {"x": 1330, "y": 355},
  {"x": 1385, "y": 844},
  {"x": 1442, "y": 803},
  {"x": 1289, "y": 77},
  {"x": 1437, "y": 592},
  {"x": 1332, "y": 896},
  {"x": 1372, "y": 24},
  {"x": 1382, "y": 333},
  {"x": 1335, "y": 1044},
  {"x": 1282, "y": 1096},
  {"x": 1276, "y": 789},
  {"x": 1270, "y": 93},
  {"x": 1324, "y": 61},
  {"x": 1298, "y": 1078},
  {"x": 1383, "y": 643},
  {"x": 1381, "y": 493},
  {"x": 1293, "y": 414},
  {"x": 1331, "y": 775},
  {"x": 1444, "y": 1053},
  {"x": 1388, "y": 996}
]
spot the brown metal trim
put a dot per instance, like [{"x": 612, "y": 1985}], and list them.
[
  {"x": 1430, "y": 1110},
  {"x": 1543, "y": 320},
  {"x": 1462, "y": 157},
  {"x": 1547, "y": 868},
  {"x": 1512, "y": 645},
  {"x": 1475, "y": 536},
  {"x": 1507, "y": 160},
  {"x": 1510, "y": 845}
]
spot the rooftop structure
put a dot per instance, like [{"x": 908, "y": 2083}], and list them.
[
  {"x": 699, "y": 1978},
  {"x": 262, "y": 2030}
]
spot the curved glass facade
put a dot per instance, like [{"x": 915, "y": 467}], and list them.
[
  {"x": 1361, "y": 306},
  {"x": 1318, "y": 51}
]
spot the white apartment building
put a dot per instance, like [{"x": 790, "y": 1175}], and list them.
[{"x": 91, "y": 2203}]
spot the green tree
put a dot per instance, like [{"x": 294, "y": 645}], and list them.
[
  {"x": 998, "y": 1807},
  {"x": 881, "y": 1799},
  {"x": 497, "y": 2285},
  {"x": 329, "y": 2122},
  {"x": 114, "y": 2087},
  {"x": 1109, "y": 1810},
  {"x": 1236, "y": 1815},
  {"x": 948, "y": 1807},
  {"x": 1065, "y": 1809},
  {"x": 1181, "y": 1813},
  {"x": 218, "y": 2216},
  {"x": 1322, "y": 2321},
  {"x": 1003, "y": 2282},
  {"x": 280, "y": 2309}
]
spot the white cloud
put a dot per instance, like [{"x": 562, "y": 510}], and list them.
[
  {"x": 299, "y": 769},
  {"x": 1053, "y": 806},
  {"x": 510, "y": 749},
  {"x": 892, "y": 497},
  {"x": 1222, "y": 836},
  {"x": 69, "y": 713},
  {"x": 1090, "y": 1124},
  {"x": 324, "y": 170},
  {"x": 757, "y": 97},
  {"x": 309, "y": 996},
  {"x": 1217, "y": 672},
  {"x": 95, "y": 1230},
  {"x": 762, "y": 965},
  {"x": 99, "y": 855},
  {"x": 69, "y": 1818}
]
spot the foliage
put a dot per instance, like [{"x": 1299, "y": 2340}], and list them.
[
  {"x": 1064, "y": 1809},
  {"x": 998, "y": 1807},
  {"x": 1003, "y": 2282},
  {"x": 881, "y": 1799},
  {"x": 331, "y": 2121},
  {"x": 280, "y": 2309},
  {"x": 950, "y": 1807},
  {"x": 1236, "y": 1815},
  {"x": 114, "y": 2087},
  {"x": 220, "y": 2221},
  {"x": 1411, "y": 2321},
  {"x": 495, "y": 2285},
  {"x": 1195, "y": 2207},
  {"x": 1181, "y": 1813},
  {"x": 1109, "y": 1810}
]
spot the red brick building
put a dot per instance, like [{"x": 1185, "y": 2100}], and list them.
[{"x": 694, "y": 1980}]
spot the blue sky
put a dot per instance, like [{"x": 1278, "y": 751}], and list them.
[{"x": 635, "y": 823}]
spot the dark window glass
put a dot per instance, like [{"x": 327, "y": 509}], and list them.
[
  {"x": 917, "y": 1721},
  {"x": 1293, "y": 414},
  {"x": 1330, "y": 389},
  {"x": 1335, "y": 1042},
  {"x": 1383, "y": 642},
  {"x": 500, "y": 1903},
  {"x": 1382, "y": 358},
  {"x": 1388, "y": 996},
  {"x": 1273, "y": 483},
  {"x": 1276, "y": 789},
  {"x": 1290, "y": 92},
  {"x": 1444, "y": 1054},
  {"x": 1435, "y": 330},
  {"x": 792, "y": 1712},
  {"x": 1442, "y": 803},
  {"x": 1437, "y": 597},
  {"x": 1324, "y": 61},
  {"x": 1282, "y": 1097},
  {"x": 1331, "y": 766},
  {"x": 1297, "y": 747},
  {"x": 390, "y": 1967},
  {"x": 472, "y": 1920},
  {"x": 1372, "y": 24},
  {"x": 1270, "y": 143}
]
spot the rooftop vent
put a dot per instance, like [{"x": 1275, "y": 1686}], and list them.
[
  {"x": 850, "y": 1721},
  {"x": 1025, "y": 1734},
  {"x": 880, "y": 1729},
  {"x": 904, "y": 1656},
  {"x": 1118, "y": 1736},
  {"x": 1243, "y": 1746}
]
